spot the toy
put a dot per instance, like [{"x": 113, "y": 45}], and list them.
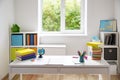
[{"x": 41, "y": 52}]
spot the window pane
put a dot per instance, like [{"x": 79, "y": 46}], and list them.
[
  {"x": 72, "y": 14},
  {"x": 51, "y": 15}
]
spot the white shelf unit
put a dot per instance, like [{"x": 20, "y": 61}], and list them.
[
  {"x": 22, "y": 40},
  {"x": 19, "y": 40},
  {"x": 110, "y": 48}
]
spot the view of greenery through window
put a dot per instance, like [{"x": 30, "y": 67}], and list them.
[
  {"x": 51, "y": 15},
  {"x": 72, "y": 11}
]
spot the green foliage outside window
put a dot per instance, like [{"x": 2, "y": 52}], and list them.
[
  {"x": 72, "y": 16},
  {"x": 51, "y": 15}
]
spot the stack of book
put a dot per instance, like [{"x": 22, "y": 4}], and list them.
[
  {"x": 96, "y": 53},
  {"x": 31, "y": 39},
  {"x": 110, "y": 39},
  {"x": 25, "y": 54}
]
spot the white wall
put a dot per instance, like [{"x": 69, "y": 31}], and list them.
[
  {"x": 6, "y": 18},
  {"x": 117, "y": 16},
  {"x": 117, "y": 13},
  {"x": 26, "y": 16}
]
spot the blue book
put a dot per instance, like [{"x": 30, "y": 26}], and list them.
[
  {"x": 29, "y": 56},
  {"x": 31, "y": 39}
]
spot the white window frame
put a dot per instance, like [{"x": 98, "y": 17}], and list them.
[{"x": 63, "y": 32}]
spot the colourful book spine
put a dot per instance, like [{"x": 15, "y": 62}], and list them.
[
  {"x": 28, "y": 39},
  {"x": 96, "y": 56},
  {"x": 31, "y": 39},
  {"x": 24, "y": 52},
  {"x": 35, "y": 49},
  {"x": 27, "y": 57},
  {"x": 35, "y": 39},
  {"x": 96, "y": 52}
]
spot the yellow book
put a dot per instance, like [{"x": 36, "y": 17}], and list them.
[
  {"x": 94, "y": 44},
  {"x": 24, "y": 52}
]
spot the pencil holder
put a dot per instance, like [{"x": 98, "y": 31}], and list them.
[{"x": 81, "y": 59}]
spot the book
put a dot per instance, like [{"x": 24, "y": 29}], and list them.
[
  {"x": 30, "y": 56},
  {"x": 26, "y": 55},
  {"x": 96, "y": 56},
  {"x": 27, "y": 39},
  {"x": 35, "y": 39},
  {"x": 110, "y": 39},
  {"x": 94, "y": 44},
  {"x": 108, "y": 25},
  {"x": 24, "y": 52},
  {"x": 96, "y": 52},
  {"x": 107, "y": 39},
  {"x": 31, "y": 39},
  {"x": 113, "y": 39},
  {"x": 35, "y": 49}
]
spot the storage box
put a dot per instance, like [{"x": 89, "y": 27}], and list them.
[
  {"x": 110, "y": 53},
  {"x": 17, "y": 40}
]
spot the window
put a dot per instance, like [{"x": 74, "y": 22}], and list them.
[{"x": 62, "y": 16}]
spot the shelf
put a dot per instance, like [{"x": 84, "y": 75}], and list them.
[
  {"x": 109, "y": 38},
  {"x": 52, "y": 45},
  {"x": 23, "y": 32},
  {"x": 108, "y": 32},
  {"x": 22, "y": 40},
  {"x": 22, "y": 46},
  {"x": 110, "y": 46},
  {"x": 44, "y": 45}
]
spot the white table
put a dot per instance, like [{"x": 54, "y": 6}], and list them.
[{"x": 59, "y": 65}]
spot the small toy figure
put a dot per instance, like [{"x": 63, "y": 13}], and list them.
[
  {"x": 82, "y": 56},
  {"x": 41, "y": 52}
]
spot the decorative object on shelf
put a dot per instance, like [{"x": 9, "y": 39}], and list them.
[
  {"x": 41, "y": 52},
  {"x": 95, "y": 39},
  {"x": 15, "y": 28},
  {"x": 82, "y": 56},
  {"x": 108, "y": 25}
]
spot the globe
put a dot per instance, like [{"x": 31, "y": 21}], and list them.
[{"x": 41, "y": 52}]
